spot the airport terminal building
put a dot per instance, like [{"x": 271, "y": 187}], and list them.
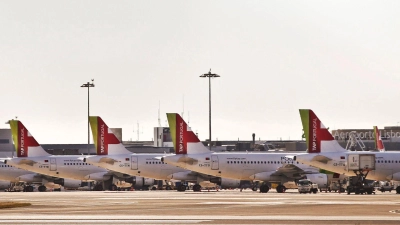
[{"x": 162, "y": 142}]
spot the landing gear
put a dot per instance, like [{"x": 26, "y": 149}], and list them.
[
  {"x": 254, "y": 188},
  {"x": 280, "y": 188},
  {"x": 398, "y": 190},
  {"x": 181, "y": 188},
  {"x": 28, "y": 189},
  {"x": 196, "y": 188},
  {"x": 42, "y": 188},
  {"x": 264, "y": 188},
  {"x": 113, "y": 187},
  {"x": 98, "y": 187},
  {"x": 168, "y": 188}
]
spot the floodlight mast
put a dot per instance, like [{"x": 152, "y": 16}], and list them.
[
  {"x": 88, "y": 85},
  {"x": 209, "y": 75}
]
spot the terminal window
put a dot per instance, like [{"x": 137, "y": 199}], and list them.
[{"x": 4, "y": 141}]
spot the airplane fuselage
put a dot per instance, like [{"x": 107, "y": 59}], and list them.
[
  {"x": 60, "y": 166},
  {"x": 145, "y": 165},
  {"x": 387, "y": 164},
  {"x": 243, "y": 166}
]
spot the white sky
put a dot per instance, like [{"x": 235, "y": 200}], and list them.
[{"x": 340, "y": 58}]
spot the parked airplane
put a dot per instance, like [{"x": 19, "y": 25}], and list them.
[
  {"x": 68, "y": 168},
  {"x": 326, "y": 153},
  {"x": 112, "y": 155},
  {"x": 14, "y": 175},
  {"x": 191, "y": 154}
]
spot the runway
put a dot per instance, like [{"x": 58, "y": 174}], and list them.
[{"x": 223, "y": 207}]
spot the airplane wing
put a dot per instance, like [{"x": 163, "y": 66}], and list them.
[{"x": 293, "y": 171}]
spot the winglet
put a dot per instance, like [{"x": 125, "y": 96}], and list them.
[
  {"x": 378, "y": 140},
  {"x": 104, "y": 139},
  {"x": 185, "y": 141},
  {"x": 24, "y": 143},
  {"x": 318, "y": 138}
]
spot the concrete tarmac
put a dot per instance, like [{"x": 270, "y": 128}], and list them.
[{"x": 222, "y": 207}]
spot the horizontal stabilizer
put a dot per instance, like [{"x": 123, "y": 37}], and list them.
[
  {"x": 26, "y": 162},
  {"x": 107, "y": 160},
  {"x": 321, "y": 159}
]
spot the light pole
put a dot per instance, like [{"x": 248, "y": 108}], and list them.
[
  {"x": 209, "y": 75},
  {"x": 88, "y": 85}
]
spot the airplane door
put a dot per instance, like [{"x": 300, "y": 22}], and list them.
[
  {"x": 214, "y": 162},
  {"x": 53, "y": 164},
  {"x": 134, "y": 162}
]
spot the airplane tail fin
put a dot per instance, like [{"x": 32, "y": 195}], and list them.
[
  {"x": 105, "y": 141},
  {"x": 378, "y": 140},
  {"x": 318, "y": 137},
  {"x": 185, "y": 141},
  {"x": 24, "y": 143}
]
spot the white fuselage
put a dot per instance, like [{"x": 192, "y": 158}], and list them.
[
  {"x": 241, "y": 166},
  {"x": 60, "y": 166},
  {"x": 387, "y": 164},
  {"x": 145, "y": 165}
]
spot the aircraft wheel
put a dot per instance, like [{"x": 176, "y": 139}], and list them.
[
  {"x": 264, "y": 188},
  {"x": 181, "y": 188},
  {"x": 113, "y": 187},
  {"x": 280, "y": 188},
  {"x": 196, "y": 188},
  {"x": 315, "y": 191},
  {"x": 398, "y": 190},
  {"x": 42, "y": 188},
  {"x": 254, "y": 188},
  {"x": 29, "y": 188},
  {"x": 98, "y": 187}
]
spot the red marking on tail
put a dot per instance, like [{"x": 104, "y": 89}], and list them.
[
  {"x": 183, "y": 136},
  {"x": 25, "y": 141},
  {"x": 104, "y": 138},
  {"x": 317, "y": 133}
]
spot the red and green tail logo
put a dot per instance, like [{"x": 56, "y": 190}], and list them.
[
  {"x": 22, "y": 138},
  {"x": 314, "y": 131},
  {"x": 181, "y": 133},
  {"x": 378, "y": 140},
  {"x": 101, "y": 135}
]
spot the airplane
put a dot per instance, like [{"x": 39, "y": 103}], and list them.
[
  {"x": 191, "y": 154},
  {"x": 11, "y": 175},
  {"x": 378, "y": 140},
  {"x": 326, "y": 153},
  {"x": 112, "y": 155},
  {"x": 69, "y": 169}
]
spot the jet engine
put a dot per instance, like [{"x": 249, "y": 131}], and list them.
[
  {"x": 395, "y": 176},
  {"x": 101, "y": 176},
  {"x": 226, "y": 182},
  {"x": 68, "y": 183},
  {"x": 140, "y": 182},
  {"x": 318, "y": 178},
  {"x": 4, "y": 184},
  {"x": 29, "y": 178}
]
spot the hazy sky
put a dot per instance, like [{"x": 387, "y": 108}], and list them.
[{"x": 340, "y": 58}]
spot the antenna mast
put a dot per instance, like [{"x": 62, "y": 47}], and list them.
[{"x": 159, "y": 120}]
